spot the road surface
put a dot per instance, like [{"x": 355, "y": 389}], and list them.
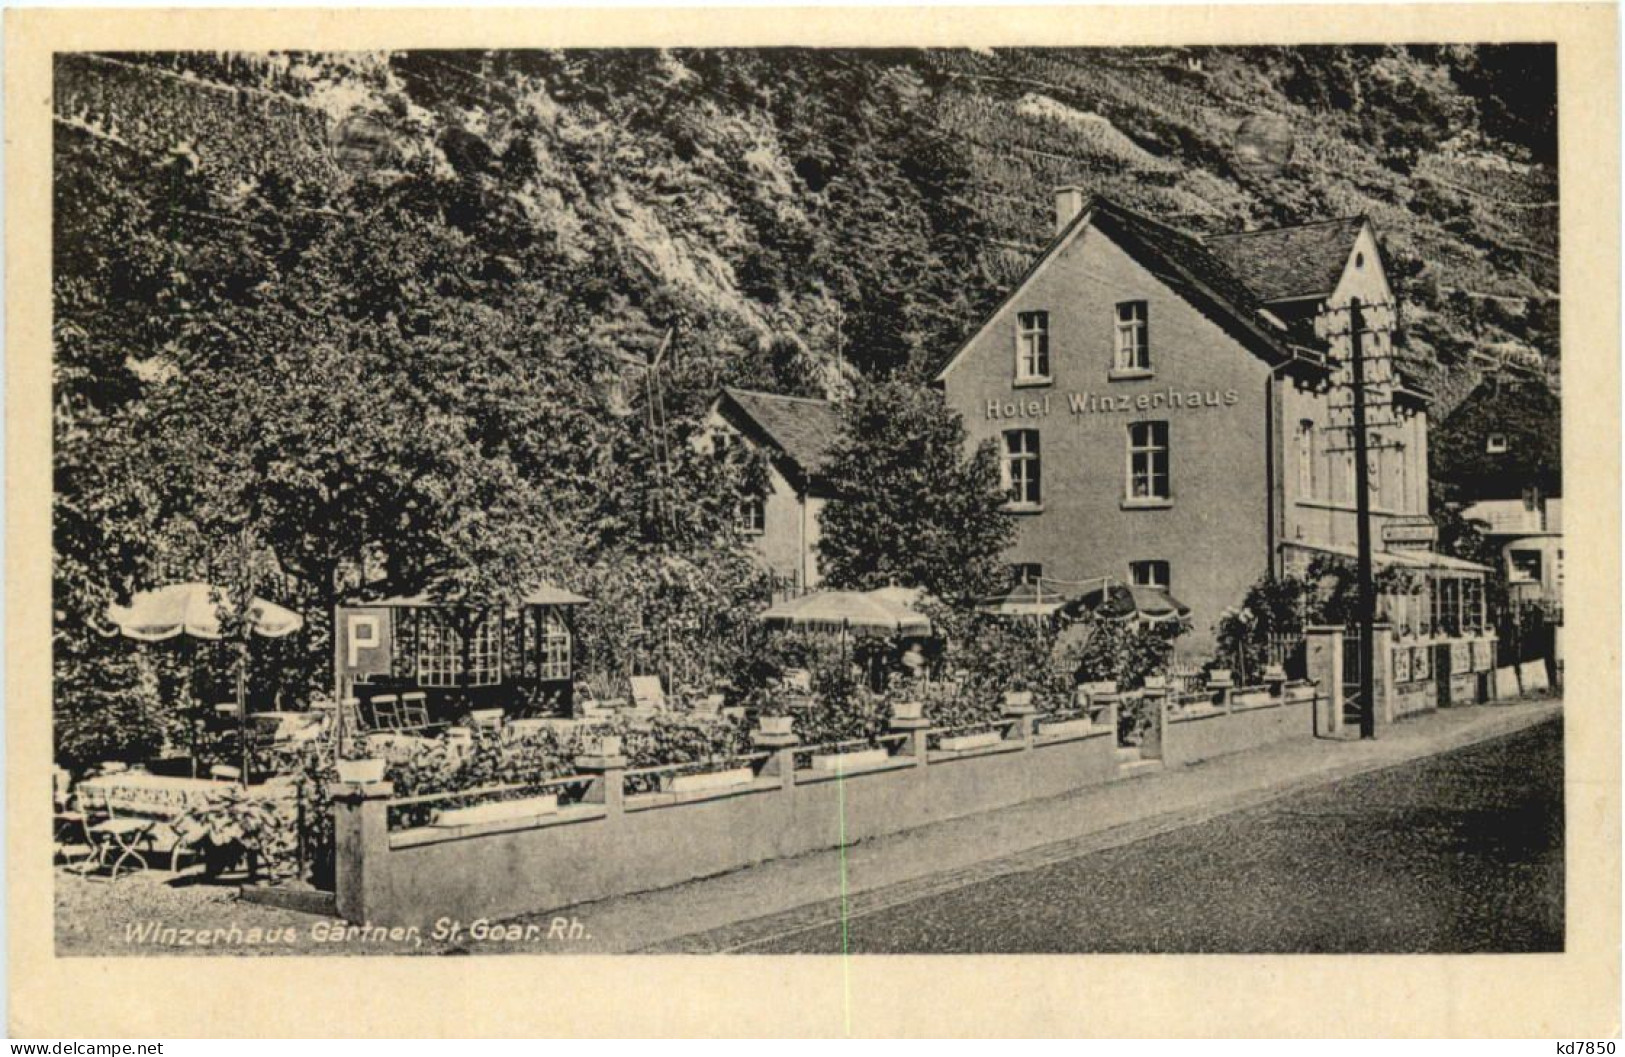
[{"x": 1454, "y": 853}]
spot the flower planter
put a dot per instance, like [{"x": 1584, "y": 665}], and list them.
[
  {"x": 361, "y": 772},
  {"x": 1018, "y": 699},
  {"x": 908, "y": 710},
  {"x": 777, "y": 725},
  {"x": 1251, "y": 698},
  {"x": 701, "y": 783},
  {"x": 1220, "y": 679},
  {"x": 1156, "y": 682},
  {"x": 501, "y": 811},
  {"x": 850, "y": 761},
  {"x": 487, "y": 717},
  {"x": 609, "y": 745},
  {"x": 967, "y": 742},
  {"x": 1274, "y": 673},
  {"x": 1067, "y": 728}
]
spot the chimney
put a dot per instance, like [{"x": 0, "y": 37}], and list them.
[{"x": 1068, "y": 204}]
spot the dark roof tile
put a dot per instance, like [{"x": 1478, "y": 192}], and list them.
[
  {"x": 803, "y": 429},
  {"x": 1281, "y": 263}
]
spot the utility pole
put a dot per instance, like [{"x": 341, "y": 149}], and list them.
[
  {"x": 1365, "y": 604},
  {"x": 1362, "y": 372}
]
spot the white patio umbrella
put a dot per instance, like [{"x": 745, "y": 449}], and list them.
[
  {"x": 848, "y": 611},
  {"x": 195, "y": 609}
]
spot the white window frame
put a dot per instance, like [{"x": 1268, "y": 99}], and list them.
[
  {"x": 750, "y": 517},
  {"x": 1132, "y": 348},
  {"x": 440, "y": 652},
  {"x": 1306, "y": 459},
  {"x": 1019, "y": 572},
  {"x": 1017, "y": 478},
  {"x": 1141, "y": 573},
  {"x": 1032, "y": 346},
  {"x": 553, "y": 648},
  {"x": 1518, "y": 576},
  {"x": 1151, "y": 449}
]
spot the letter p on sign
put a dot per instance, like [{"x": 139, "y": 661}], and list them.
[
  {"x": 364, "y": 641},
  {"x": 363, "y": 635}
]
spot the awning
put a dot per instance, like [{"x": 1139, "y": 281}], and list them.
[{"x": 1399, "y": 559}]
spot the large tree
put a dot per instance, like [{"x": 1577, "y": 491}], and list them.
[{"x": 914, "y": 503}]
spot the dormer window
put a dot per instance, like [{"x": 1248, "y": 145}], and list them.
[
  {"x": 1496, "y": 444},
  {"x": 1133, "y": 347},
  {"x": 1032, "y": 347}
]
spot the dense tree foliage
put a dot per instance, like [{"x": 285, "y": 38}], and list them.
[{"x": 914, "y": 505}]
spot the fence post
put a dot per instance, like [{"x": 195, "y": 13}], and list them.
[
  {"x": 1382, "y": 675},
  {"x": 1323, "y": 656},
  {"x": 360, "y": 848},
  {"x": 782, "y": 763},
  {"x": 608, "y": 786},
  {"x": 1156, "y": 697},
  {"x": 1022, "y": 729},
  {"x": 918, "y": 731}
]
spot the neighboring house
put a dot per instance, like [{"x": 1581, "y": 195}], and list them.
[
  {"x": 796, "y": 434},
  {"x": 1528, "y": 531},
  {"x": 1170, "y": 417}
]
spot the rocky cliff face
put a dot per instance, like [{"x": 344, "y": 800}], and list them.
[{"x": 824, "y": 213}]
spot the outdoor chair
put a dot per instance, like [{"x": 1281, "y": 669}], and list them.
[
  {"x": 350, "y": 715},
  {"x": 796, "y": 685},
  {"x": 110, "y": 834},
  {"x": 647, "y": 692},
  {"x": 414, "y": 713},
  {"x": 385, "y": 712},
  {"x": 68, "y": 823}
]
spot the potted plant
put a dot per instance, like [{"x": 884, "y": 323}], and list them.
[
  {"x": 777, "y": 723},
  {"x": 908, "y": 709},
  {"x": 1020, "y": 693}
]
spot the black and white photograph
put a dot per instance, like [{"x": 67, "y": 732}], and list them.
[
  {"x": 807, "y": 501},
  {"x": 820, "y": 500}
]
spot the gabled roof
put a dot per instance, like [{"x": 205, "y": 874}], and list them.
[
  {"x": 1280, "y": 264},
  {"x": 1178, "y": 260},
  {"x": 803, "y": 430}
]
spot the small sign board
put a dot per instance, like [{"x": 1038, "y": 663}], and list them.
[
  {"x": 1415, "y": 532},
  {"x": 363, "y": 644}
]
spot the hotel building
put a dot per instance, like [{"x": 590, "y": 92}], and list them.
[{"x": 1172, "y": 412}]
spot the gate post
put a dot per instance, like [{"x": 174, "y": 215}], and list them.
[
  {"x": 361, "y": 849},
  {"x": 1382, "y": 674},
  {"x": 1323, "y": 657}
]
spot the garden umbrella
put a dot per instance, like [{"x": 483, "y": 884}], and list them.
[
  {"x": 1118, "y": 601},
  {"x": 1030, "y": 598},
  {"x": 194, "y": 609},
  {"x": 845, "y": 611}
]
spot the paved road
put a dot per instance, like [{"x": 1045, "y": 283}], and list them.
[{"x": 1459, "y": 852}]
